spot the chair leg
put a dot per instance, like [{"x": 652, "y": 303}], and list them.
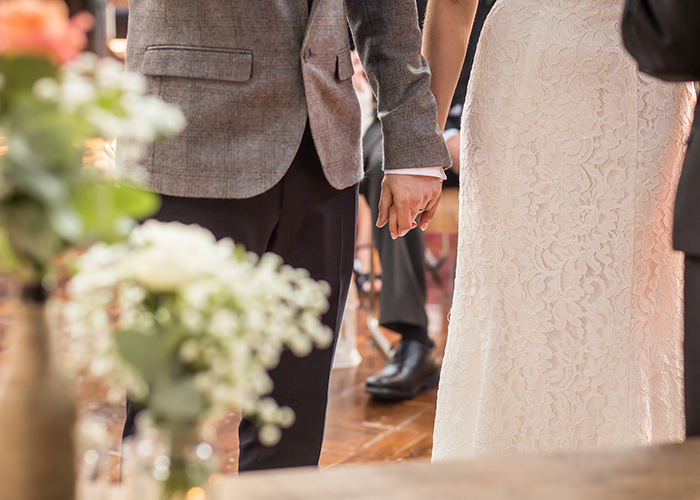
[
  {"x": 379, "y": 340},
  {"x": 433, "y": 264}
]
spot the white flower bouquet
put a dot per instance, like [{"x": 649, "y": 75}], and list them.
[{"x": 190, "y": 325}]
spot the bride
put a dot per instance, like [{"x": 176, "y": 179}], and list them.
[{"x": 565, "y": 330}]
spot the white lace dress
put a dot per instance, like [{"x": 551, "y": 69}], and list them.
[{"x": 566, "y": 326}]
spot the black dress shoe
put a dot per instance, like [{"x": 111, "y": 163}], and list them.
[{"x": 411, "y": 369}]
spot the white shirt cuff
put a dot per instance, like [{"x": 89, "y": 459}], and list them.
[{"x": 438, "y": 172}]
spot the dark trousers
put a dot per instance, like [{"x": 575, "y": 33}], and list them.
[
  {"x": 310, "y": 225},
  {"x": 691, "y": 346}
]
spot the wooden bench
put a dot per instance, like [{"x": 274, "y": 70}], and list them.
[
  {"x": 668, "y": 472},
  {"x": 663, "y": 472}
]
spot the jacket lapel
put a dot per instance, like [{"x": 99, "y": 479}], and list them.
[{"x": 312, "y": 12}]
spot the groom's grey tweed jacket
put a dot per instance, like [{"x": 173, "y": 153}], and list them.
[{"x": 248, "y": 73}]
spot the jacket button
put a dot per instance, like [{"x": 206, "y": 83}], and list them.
[{"x": 307, "y": 54}]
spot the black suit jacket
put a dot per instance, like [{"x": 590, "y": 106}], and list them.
[{"x": 664, "y": 37}]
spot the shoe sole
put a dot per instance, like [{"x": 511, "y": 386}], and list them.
[{"x": 394, "y": 395}]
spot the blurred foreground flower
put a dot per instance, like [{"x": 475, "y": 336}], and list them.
[
  {"x": 51, "y": 101},
  {"x": 190, "y": 326},
  {"x": 42, "y": 28},
  {"x": 48, "y": 201}
]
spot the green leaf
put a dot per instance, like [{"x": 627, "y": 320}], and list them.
[
  {"x": 67, "y": 223},
  {"x": 51, "y": 135},
  {"x": 21, "y": 73},
  {"x": 95, "y": 212},
  {"x": 104, "y": 206},
  {"x": 134, "y": 202},
  {"x": 140, "y": 351},
  {"x": 176, "y": 400},
  {"x": 41, "y": 184},
  {"x": 6, "y": 189},
  {"x": 8, "y": 260},
  {"x": 29, "y": 232}
]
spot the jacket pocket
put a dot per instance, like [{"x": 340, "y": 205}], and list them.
[
  {"x": 207, "y": 63},
  {"x": 343, "y": 66}
]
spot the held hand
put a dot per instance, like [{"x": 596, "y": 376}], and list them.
[{"x": 403, "y": 198}]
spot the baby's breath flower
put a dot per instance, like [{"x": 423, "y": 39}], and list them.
[
  {"x": 75, "y": 91},
  {"x": 46, "y": 89},
  {"x": 189, "y": 351},
  {"x": 269, "y": 434},
  {"x": 109, "y": 74},
  {"x": 285, "y": 416},
  {"x": 233, "y": 315}
]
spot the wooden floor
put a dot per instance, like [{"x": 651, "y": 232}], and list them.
[{"x": 359, "y": 430}]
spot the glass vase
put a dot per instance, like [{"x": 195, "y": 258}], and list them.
[{"x": 172, "y": 457}]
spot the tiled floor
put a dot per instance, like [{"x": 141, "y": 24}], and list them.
[{"x": 359, "y": 430}]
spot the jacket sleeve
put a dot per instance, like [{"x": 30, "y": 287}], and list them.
[
  {"x": 664, "y": 37},
  {"x": 388, "y": 41}
]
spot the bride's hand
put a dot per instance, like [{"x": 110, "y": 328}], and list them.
[{"x": 404, "y": 197}]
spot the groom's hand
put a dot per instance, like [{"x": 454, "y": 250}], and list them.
[{"x": 404, "y": 197}]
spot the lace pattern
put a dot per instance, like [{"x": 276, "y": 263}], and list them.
[{"x": 566, "y": 327}]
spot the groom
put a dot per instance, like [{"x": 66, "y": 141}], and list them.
[{"x": 271, "y": 155}]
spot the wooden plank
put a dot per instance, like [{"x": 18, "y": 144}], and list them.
[{"x": 668, "y": 472}]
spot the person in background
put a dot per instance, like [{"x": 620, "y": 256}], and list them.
[
  {"x": 664, "y": 37},
  {"x": 412, "y": 367},
  {"x": 399, "y": 272},
  {"x": 97, "y": 37}
]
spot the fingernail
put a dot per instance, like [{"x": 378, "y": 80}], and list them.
[
  {"x": 393, "y": 235},
  {"x": 424, "y": 226}
]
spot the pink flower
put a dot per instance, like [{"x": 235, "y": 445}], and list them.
[{"x": 42, "y": 28}]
